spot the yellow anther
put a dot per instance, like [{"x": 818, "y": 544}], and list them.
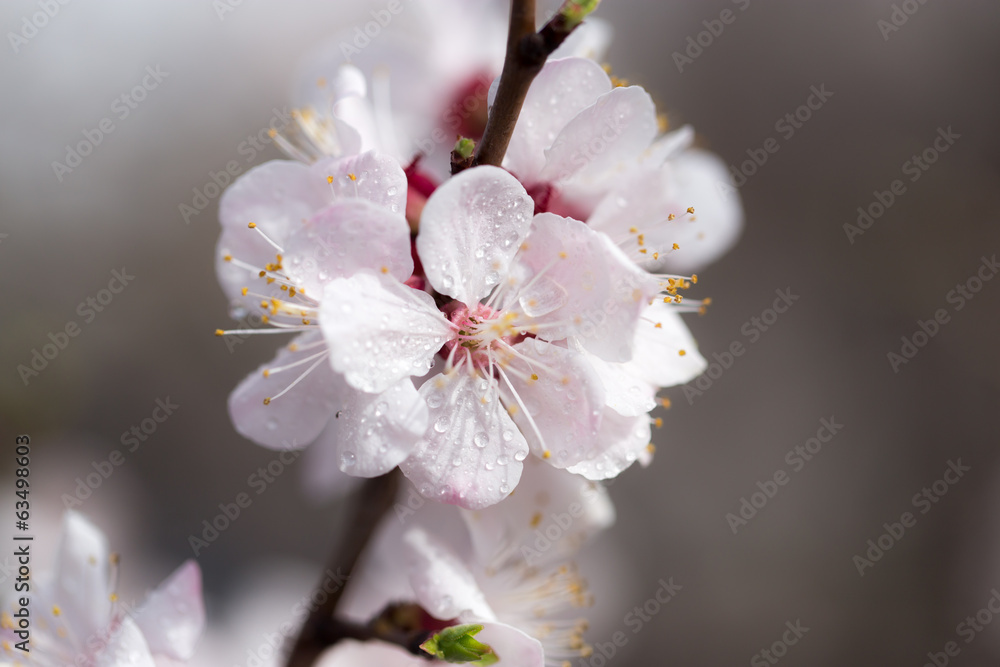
[
  {"x": 272, "y": 133},
  {"x": 56, "y": 611},
  {"x": 291, "y": 291},
  {"x": 691, "y": 210},
  {"x": 305, "y": 321},
  {"x": 267, "y": 372},
  {"x": 642, "y": 239},
  {"x": 220, "y": 332},
  {"x": 354, "y": 178},
  {"x": 293, "y": 348},
  {"x": 658, "y": 422},
  {"x": 694, "y": 278},
  {"x": 682, "y": 352},
  {"x": 656, "y": 255},
  {"x": 252, "y": 225},
  {"x": 536, "y": 519},
  {"x": 662, "y": 122},
  {"x": 321, "y": 81},
  {"x": 227, "y": 258},
  {"x": 512, "y": 410},
  {"x": 267, "y": 401},
  {"x": 658, "y": 325},
  {"x": 665, "y": 402},
  {"x": 642, "y": 250},
  {"x": 265, "y": 319},
  {"x": 651, "y": 448},
  {"x": 385, "y": 269},
  {"x": 565, "y": 380},
  {"x": 113, "y": 597},
  {"x": 244, "y": 291},
  {"x": 633, "y": 230},
  {"x": 676, "y": 246},
  {"x": 546, "y": 454},
  {"x": 563, "y": 255},
  {"x": 329, "y": 179},
  {"x": 706, "y": 302},
  {"x": 534, "y": 377},
  {"x": 671, "y": 217}
]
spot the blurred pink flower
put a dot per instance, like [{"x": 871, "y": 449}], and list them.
[
  {"x": 495, "y": 567},
  {"x": 79, "y": 619}
]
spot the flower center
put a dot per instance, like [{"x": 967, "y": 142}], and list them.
[{"x": 478, "y": 328}]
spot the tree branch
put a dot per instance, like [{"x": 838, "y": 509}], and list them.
[
  {"x": 527, "y": 52},
  {"x": 321, "y": 629}
]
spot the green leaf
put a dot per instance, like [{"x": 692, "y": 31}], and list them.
[{"x": 458, "y": 644}]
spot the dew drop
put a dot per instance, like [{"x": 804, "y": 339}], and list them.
[{"x": 348, "y": 459}]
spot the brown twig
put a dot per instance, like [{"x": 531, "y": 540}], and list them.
[
  {"x": 527, "y": 52},
  {"x": 321, "y": 629}
]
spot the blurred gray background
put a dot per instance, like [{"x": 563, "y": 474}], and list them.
[{"x": 825, "y": 358}]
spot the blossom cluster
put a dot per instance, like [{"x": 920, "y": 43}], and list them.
[
  {"x": 498, "y": 330},
  {"x": 483, "y": 329},
  {"x": 454, "y": 326}
]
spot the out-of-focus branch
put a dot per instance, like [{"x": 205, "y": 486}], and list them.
[{"x": 321, "y": 629}]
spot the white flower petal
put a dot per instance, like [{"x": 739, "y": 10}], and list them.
[
  {"x": 380, "y": 331},
  {"x": 443, "y": 584},
  {"x": 561, "y": 90},
  {"x": 659, "y": 340},
  {"x": 471, "y": 455},
  {"x": 470, "y": 231},
  {"x": 276, "y": 196},
  {"x": 371, "y": 176},
  {"x": 296, "y": 418},
  {"x": 668, "y": 146},
  {"x": 376, "y": 432},
  {"x": 126, "y": 647},
  {"x": 173, "y": 616},
  {"x": 547, "y": 496},
  {"x": 624, "y": 440},
  {"x": 625, "y": 392},
  {"x": 564, "y": 403},
  {"x": 344, "y": 238},
  {"x": 606, "y": 292},
  {"x": 352, "y": 653},
  {"x": 80, "y": 586},
  {"x": 643, "y": 201},
  {"x": 703, "y": 181},
  {"x": 616, "y": 129},
  {"x": 512, "y": 646},
  {"x": 590, "y": 39}
]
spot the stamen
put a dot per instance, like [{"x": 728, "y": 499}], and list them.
[
  {"x": 323, "y": 355},
  {"x": 269, "y": 371},
  {"x": 527, "y": 415},
  {"x": 253, "y": 225}
]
